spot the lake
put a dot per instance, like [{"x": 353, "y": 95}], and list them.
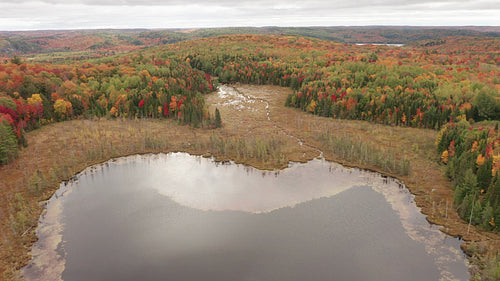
[
  {"x": 181, "y": 217},
  {"x": 380, "y": 44}
]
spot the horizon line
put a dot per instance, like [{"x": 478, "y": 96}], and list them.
[{"x": 256, "y": 27}]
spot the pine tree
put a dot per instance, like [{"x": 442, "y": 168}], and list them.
[
  {"x": 8, "y": 143},
  {"x": 218, "y": 121}
]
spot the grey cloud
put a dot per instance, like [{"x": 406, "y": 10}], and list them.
[
  {"x": 57, "y": 14},
  {"x": 246, "y": 3},
  {"x": 292, "y": 6}
]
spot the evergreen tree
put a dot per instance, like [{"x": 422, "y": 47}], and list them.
[
  {"x": 484, "y": 175},
  {"x": 218, "y": 121},
  {"x": 16, "y": 60},
  {"x": 8, "y": 143}
]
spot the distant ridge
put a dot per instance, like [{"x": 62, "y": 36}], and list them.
[{"x": 122, "y": 40}]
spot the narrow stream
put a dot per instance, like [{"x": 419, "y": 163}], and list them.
[{"x": 239, "y": 99}]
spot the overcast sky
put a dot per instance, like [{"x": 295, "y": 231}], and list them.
[{"x": 86, "y": 14}]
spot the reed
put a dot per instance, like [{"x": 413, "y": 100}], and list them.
[
  {"x": 267, "y": 150},
  {"x": 357, "y": 150}
]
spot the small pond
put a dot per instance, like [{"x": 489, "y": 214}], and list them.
[{"x": 181, "y": 217}]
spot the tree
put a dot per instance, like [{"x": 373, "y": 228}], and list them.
[
  {"x": 8, "y": 102},
  {"x": 487, "y": 216},
  {"x": 35, "y": 99},
  {"x": 60, "y": 109},
  {"x": 69, "y": 88},
  {"x": 8, "y": 143},
  {"x": 485, "y": 105},
  {"x": 218, "y": 121},
  {"x": 484, "y": 175},
  {"x": 16, "y": 60}
]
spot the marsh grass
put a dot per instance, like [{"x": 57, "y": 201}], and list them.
[
  {"x": 266, "y": 150},
  {"x": 356, "y": 150}
]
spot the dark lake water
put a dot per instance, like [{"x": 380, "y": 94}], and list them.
[{"x": 182, "y": 217}]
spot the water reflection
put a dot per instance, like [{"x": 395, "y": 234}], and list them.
[
  {"x": 236, "y": 187},
  {"x": 164, "y": 214}
]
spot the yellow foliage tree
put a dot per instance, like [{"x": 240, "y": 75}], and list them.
[
  {"x": 444, "y": 156},
  {"x": 480, "y": 160},
  {"x": 312, "y": 106},
  {"x": 60, "y": 108},
  {"x": 35, "y": 99}
]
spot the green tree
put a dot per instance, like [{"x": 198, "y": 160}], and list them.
[
  {"x": 484, "y": 174},
  {"x": 8, "y": 103},
  {"x": 487, "y": 216},
  {"x": 16, "y": 60},
  {"x": 8, "y": 143},
  {"x": 218, "y": 120},
  {"x": 485, "y": 105}
]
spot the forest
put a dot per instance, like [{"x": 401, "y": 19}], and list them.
[
  {"x": 424, "y": 87},
  {"x": 450, "y": 84},
  {"x": 61, "y": 45}
]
